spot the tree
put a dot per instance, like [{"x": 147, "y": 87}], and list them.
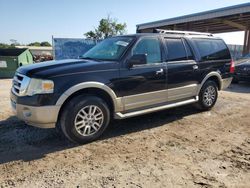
[
  {"x": 3, "y": 45},
  {"x": 107, "y": 27},
  {"x": 91, "y": 34},
  {"x": 34, "y": 44},
  {"x": 45, "y": 43}
]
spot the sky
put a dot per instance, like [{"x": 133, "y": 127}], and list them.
[{"x": 37, "y": 20}]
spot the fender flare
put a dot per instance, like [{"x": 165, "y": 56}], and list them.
[
  {"x": 211, "y": 74},
  {"x": 97, "y": 85}
]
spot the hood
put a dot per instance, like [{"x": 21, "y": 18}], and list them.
[
  {"x": 244, "y": 64},
  {"x": 56, "y": 68}
]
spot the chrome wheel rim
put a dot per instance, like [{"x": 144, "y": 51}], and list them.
[
  {"x": 89, "y": 120},
  {"x": 209, "y": 96}
]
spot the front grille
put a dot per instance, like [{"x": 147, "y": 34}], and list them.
[
  {"x": 20, "y": 84},
  {"x": 243, "y": 70},
  {"x": 17, "y": 82}
]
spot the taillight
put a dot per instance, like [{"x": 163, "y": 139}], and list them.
[{"x": 232, "y": 67}]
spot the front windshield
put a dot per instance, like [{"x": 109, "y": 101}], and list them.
[{"x": 108, "y": 49}]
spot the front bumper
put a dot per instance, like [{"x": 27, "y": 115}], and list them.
[
  {"x": 226, "y": 82},
  {"x": 42, "y": 116}
]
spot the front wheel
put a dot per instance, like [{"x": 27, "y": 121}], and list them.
[
  {"x": 84, "y": 118},
  {"x": 208, "y": 95}
]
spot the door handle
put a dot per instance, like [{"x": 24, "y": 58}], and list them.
[
  {"x": 160, "y": 72},
  {"x": 195, "y": 67}
]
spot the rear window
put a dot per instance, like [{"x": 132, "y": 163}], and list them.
[{"x": 212, "y": 49}]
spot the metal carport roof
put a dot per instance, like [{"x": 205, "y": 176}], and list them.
[
  {"x": 214, "y": 18},
  {"x": 228, "y": 19}
]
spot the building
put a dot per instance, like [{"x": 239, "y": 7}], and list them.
[
  {"x": 39, "y": 50},
  {"x": 228, "y": 19},
  {"x": 11, "y": 59}
]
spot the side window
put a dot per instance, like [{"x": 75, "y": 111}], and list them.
[
  {"x": 151, "y": 47},
  {"x": 176, "y": 49},
  {"x": 190, "y": 55},
  {"x": 212, "y": 49}
]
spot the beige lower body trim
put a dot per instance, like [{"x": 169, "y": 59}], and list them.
[
  {"x": 151, "y": 98},
  {"x": 145, "y": 99},
  {"x": 226, "y": 82},
  {"x": 42, "y": 116},
  {"x": 182, "y": 92}
]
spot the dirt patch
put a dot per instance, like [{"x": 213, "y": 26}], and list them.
[{"x": 178, "y": 147}]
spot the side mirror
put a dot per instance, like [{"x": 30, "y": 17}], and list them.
[{"x": 137, "y": 59}]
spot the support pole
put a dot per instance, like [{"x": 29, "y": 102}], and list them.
[
  {"x": 246, "y": 47},
  {"x": 248, "y": 42}
]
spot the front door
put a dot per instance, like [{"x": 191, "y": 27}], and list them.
[{"x": 144, "y": 85}]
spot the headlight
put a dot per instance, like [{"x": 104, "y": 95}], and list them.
[{"x": 38, "y": 86}]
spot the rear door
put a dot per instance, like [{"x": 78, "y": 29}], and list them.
[
  {"x": 183, "y": 70},
  {"x": 214, "y": 55}
]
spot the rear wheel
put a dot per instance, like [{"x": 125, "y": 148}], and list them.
[
  {"x": 84, "y": 118},
  {"x": 208, "y": 95}
]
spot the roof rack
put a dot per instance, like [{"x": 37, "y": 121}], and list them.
[{"x": 180, "y": 32}]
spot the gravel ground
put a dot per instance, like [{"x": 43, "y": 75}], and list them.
[{"x": 173, "y": 148}]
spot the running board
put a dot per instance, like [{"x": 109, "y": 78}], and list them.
[{"x": 120, "y": 115}]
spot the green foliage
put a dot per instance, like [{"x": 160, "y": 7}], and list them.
[
  {"x": 34, "y": 44},
  {"x": 45, "y": 43},
  {"x": 39, "y": 44},
  {"x": 91, "y": 35},
  {"x": 2, "y": 45},
  {"x": 107, "y": 27}
]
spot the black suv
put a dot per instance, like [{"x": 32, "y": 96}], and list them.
[{"x": 122, "y": 77}]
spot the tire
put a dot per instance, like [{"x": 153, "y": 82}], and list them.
[
  {"x": 84, "y": 118},
  {"x": 208, "y": 95}
]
